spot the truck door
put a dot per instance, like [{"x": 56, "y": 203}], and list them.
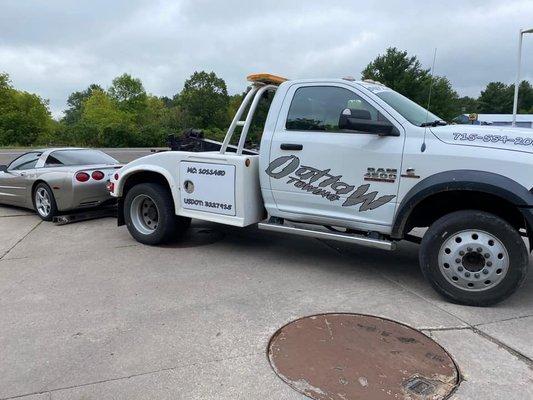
[{"x": 322, "y": 174}]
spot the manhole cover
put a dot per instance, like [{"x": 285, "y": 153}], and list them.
[
  {"x": 353, "y": 356},
  {"x": 198, "y": 237}
]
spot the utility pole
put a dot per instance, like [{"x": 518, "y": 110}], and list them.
[{"x": 517, "y": 83}]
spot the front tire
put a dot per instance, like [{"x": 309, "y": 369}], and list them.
[
  {"x": 150, "y": 217},
  {"x": 473, "y": 258},
  {"x": 44, "y": 202}
]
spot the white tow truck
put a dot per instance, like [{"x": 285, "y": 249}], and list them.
[{"x": 354, "y": 161}]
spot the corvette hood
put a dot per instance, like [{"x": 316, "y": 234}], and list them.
[{"x": 497, "y": 137}]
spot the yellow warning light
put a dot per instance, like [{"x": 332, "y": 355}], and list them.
[{"x": 266, "y": 78}]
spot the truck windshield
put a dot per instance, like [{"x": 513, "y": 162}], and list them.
[{"x": 411, "y": 111}]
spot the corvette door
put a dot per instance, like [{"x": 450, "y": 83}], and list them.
[{"x": 15, "y": 181}]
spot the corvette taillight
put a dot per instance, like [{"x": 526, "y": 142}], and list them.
[
  {"x": 82, "y": 177},
  {"x": 116, "y": 176},
  {"x": 98, "y": 175}
]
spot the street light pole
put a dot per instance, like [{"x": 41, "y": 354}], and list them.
[{"x": 517, "y": 83}]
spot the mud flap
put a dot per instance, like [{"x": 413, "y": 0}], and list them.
[{"x": 120, "y": 212}]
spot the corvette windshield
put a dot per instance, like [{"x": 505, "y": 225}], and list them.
[{"x": 411, "y": 111}]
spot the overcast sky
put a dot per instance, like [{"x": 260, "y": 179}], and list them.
[{"x": 55, "y": 47}]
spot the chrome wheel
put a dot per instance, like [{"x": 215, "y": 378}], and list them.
[
  {"x": 43, "y": 203},
  {"x": 473, "y": 260},
  {"x": 144, "y": 214}
]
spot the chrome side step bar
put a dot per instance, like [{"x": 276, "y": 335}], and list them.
[{"x": 343, "y": 237}]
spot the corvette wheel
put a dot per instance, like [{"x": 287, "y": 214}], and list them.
[{"x": 44, "y": 202}]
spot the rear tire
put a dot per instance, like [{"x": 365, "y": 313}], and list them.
[
  {"x": 44, "y": 202},
  {"x": 473, "y": 258},
  {"x": 150, "y": 217}
]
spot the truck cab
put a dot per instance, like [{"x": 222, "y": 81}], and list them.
[
  {"x": 353, "y": 161},
  {"x": 320, "y": 170}
]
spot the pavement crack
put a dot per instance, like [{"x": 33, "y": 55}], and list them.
[
  {"x": 473, "y": 328},
  {"x": 126, "y": 246},
  {"x": 185, "y": 365},
  {"x": 504, "y": 320},
  {"x": 517, "y": 354},
  {"x": 20, "y": 240},
  {"x": 451, "y": 328},
  {"x": 16, "y": 258},
  {"x": 522, "y": 357}
]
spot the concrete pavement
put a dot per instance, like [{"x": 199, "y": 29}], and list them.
[{"x": 88, "y": 313}]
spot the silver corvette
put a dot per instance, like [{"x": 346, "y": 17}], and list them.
[{"x": 54, "y": 180}]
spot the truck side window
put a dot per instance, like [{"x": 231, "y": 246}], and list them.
[{"x": 317, "y": 108}]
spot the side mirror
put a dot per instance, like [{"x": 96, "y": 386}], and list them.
[
  {"x": 360, "y": 120},
  {"x": 3, "y": 168}
]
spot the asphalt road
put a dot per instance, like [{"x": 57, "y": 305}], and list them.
[
  {"x": 122, "y": 155},
  {"x": 88, "y": 313}
]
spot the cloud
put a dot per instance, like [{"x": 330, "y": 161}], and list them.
[{"x": 55, "y": 48}]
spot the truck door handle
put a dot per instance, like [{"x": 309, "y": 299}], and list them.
[{"x": 291, "y": 146}]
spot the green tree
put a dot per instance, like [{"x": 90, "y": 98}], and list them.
[
  {"x": 405, "y": 74},
  {"x": 204, "y": 101},
  {"x": 124, "y": 115},
  {"x": 24, "y": 117},
  {"x": 525, "y": 97},
  {"x": 75, "y": 103},
  {"x": 497, "y": 98},
  {"x": 152, "y": 130},
  {"x": 5, "y": 82},
  {"x": 444, "y": 100},
  {"x": 234, "y": 103},
  {"x": 106, "y": 124},
  {"x": 128, "y": 92},
  {"x": 258, "y": 121},
  {"x": 172, "y": 120},
  {"x": 167, "y": 101},
  {"x": 467, "y": 105},
  {"x": 399, "y": 71}
]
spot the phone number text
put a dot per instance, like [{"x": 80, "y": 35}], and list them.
[{"x": 472, "y": 137}]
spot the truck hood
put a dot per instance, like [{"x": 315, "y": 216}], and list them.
[{"x": 505, "y": 138}]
